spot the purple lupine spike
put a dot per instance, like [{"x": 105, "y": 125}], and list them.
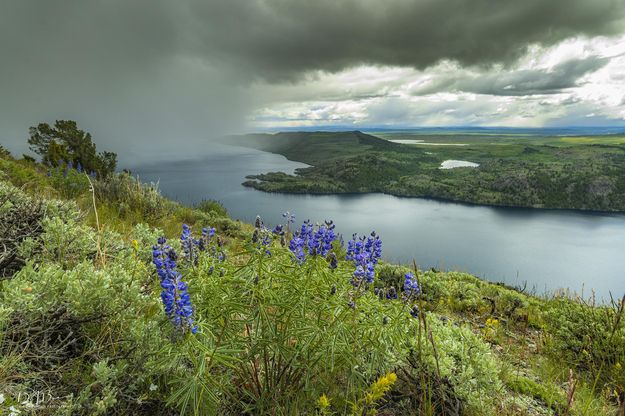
[{"x": 174, "y": 294}]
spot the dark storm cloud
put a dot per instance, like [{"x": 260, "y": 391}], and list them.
[
  {"x": 516, "y": 83},
  {"x": 281, "y": 38},
  {"x": 148, "y": 74}
]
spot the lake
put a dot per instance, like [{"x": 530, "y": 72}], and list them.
[{"x": 542, "y": 250}]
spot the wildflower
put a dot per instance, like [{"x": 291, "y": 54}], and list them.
[
  {"x": 392, "y": 293},
  {"x": 364, "y": 252},
  {"x": 411, "y": 286},
  {"x": 290, "y": 218},
  {"x": 415, "y": 311},
  {"x": 79, "y": 167},
  {"x": 296, "y": 245},
  {"x": 278, "y": 230},
  {"x": 617, "y": 366},
  {"x": 188, "y": 244},
  {"x": 492, "y": 322},
  {"x": 333, "y": 261},
  {"x": 380, "y": 387},
  {"x": 262, "y": 237},
  {"x": 207, "y": 234},
  {"x": 351, "y": 304},
  {"x": 308, "y": 241},
  {"x": 333, "y": 290},
  {"x": 265, "y": 242},
  {"x": 258, "y": 223},
  {"x": 323, "y": 402},
  {"x": 175, "y": 297},
  {"x": 153, "y": 387}
]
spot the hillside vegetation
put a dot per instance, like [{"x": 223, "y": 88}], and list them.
[
  {"x": 117, "y": 301},
  {"x": 586, "y": 173}
]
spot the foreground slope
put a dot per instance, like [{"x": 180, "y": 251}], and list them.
[{"x": 91, "y": 324}]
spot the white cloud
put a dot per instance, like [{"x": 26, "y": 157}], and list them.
[{"x": 558, "y": 85}]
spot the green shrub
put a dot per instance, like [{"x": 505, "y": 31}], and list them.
[
  {"x": 134, "y": 199},
  {"x": 589, "y": 338},
  {"x": 212, "y": 207}
]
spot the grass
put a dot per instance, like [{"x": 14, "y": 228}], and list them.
[
  {"x": 81, "y": 320},
  {"x": 586, "y": 173}
]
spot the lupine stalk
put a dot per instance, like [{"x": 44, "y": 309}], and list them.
[{"x": 174, "y": 294}]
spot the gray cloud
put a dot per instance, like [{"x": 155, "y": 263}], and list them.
[
  {"x": 282, "y": 38},
  {"x": 164, "y": 75},
  {"x": 518, "y": 83}
]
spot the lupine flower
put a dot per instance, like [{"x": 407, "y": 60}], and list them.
[
  {"x": 278, "y": 230},
  {"x": 188, "y": 244},
  {"x": 261, "y": 237},
  {"x": 265, "y": 242},
  {"x": 411, "y": 286},
  {"x": 392, "y": 293},
  {"x": 207, "y": 234},
  {"x": 311, "y": 242},
  {"x": 334, "y": 262},
  {"x": 364, "y": 252},
  {"x": 175, "y": 297},
  {"x": 290, "y": 218},
  {"x": 79, "y": 167},
  {"x": 296, "y": 245}
]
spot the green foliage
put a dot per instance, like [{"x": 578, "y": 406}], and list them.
[
  {"x": 69, "y": 182},
  {"x": 66, "y": 142},
  {"x": 591, "y": 338},
  {"x": 133, "y": 198},
  {"x": 4, "y": 152},
  {"x": 551, "y": 396},
  {"x": 212, "y": 207}
]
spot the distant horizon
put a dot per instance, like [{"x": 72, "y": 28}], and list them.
[{"x": 595, "y": 130}]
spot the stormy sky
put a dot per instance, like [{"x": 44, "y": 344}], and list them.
[{"x": 148, "y": 77}]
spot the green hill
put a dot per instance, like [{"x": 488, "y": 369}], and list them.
[{"x": 585, "y": 173}]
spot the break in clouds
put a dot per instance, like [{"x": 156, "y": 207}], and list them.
[{"x": 150, "y": 76}]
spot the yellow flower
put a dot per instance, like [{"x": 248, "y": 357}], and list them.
[
  {"x": 135, "y": 245},
  {"x": 492, "y": 322},
  {"x": 323, "y": 401},
  {"x": 380, "y": 387},
  {"x": 618, "y": 366}
]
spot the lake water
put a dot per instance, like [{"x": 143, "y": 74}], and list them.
[{"x": 544, "y": 250}]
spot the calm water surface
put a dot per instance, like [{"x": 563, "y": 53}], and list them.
[{"x": 544, "y": 250}]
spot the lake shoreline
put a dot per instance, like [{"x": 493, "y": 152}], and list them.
[{"x": 614, "y": 213}]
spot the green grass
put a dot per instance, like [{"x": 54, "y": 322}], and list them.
[{"x": 585, "y": 173}]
